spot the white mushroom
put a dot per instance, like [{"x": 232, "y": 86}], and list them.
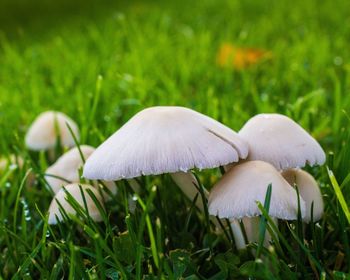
[
  {"x": 309, "y": 191},
  {"x": 47, "y": 127},
  {"x": 66, "y": 169},
  {"x": 74, "y": 190},
  {"x": 279, "y": 140},
  {"x": 236, "y": 194},
  {"x": 165, "y": 140}
]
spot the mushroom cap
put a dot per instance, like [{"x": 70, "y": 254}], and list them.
[
  {"x": 165, "y": 140},
  {"x": 74, "y": 190},
  {"x": 279, "y": 140},
  {"x": 67, "y": 167},
  {"x": 235, "y": 195},
  {"x": 308, "y": 190},
  {"x": 42, "y": 134}
]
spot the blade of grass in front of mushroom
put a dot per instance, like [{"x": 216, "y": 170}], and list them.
[
  {"x": 99, "y": 207},
  {"x": 201, "y": 189},
  {"x": 76, "y": 142},
  {"x": 58, "y": 145},
  {"x": 263, "y": 221},
  {"x": 80, "y": 210},
  {"x": 229, "y": 237},
  {"x": 43, "y": 175},
  {"x": 190, "y": 212}
]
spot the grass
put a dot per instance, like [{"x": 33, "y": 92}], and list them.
[{"x": 102, "y": 63}]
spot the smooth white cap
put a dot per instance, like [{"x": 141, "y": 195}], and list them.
[
  {"x": 42, "y": 134},
  {"x": 74, "y": 190},
  {"x": 308, "y": 190},
  {"x": 67, "y": 167},
  {"x": 165, "y": 140},
  {"x": 279, "y": 140},
  {"x": 235, "y": 195}
]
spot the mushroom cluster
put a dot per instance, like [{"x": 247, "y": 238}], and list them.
[
  {"x": 278, "y": 148},
  {"x": 49, "y": 130},
  {"x": 270, "y": 149}
]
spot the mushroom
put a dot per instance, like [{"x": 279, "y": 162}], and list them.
[
  {"x": 47, "y": 128},
  {"x": 279, "y": 140},
  {"x": 166, "y": 139},
  {"x": 309, "y": 191},
  {"x": 60, "y": 198},
  {"x": 66, "y": 169},
  {"x": 235, "y": 196}
]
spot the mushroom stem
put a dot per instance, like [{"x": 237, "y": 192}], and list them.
[
  {"x": 51, "y": 155},
  {"x": 186, "y": 181},
  {"x": 251, "y": 226},
  {"x": 135, "y": 186},
  {"x": 237, "y": 234}
]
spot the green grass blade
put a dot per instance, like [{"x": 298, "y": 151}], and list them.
[{"x": 339, "y": 194}]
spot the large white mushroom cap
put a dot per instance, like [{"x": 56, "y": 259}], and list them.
[
  {"x": 165, "y": 140},
  {"x": 235, "y": 195},
  {"x": 42, "y": 134},
  {"x": 67, "y": 167},
  {"x": 279, "y": 140},
  {"x": 309, "y": 191},
  {"x": 74, "y": 190}
]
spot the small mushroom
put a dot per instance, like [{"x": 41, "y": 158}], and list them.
[
  {"x": 66, "y": 169},
  {"x": 279, "y": 140},
  {"x": 55, "y": 214},
  {"x": 309, "y": 191},
  {"x": 165, "y": 139},
  {"x": 47, "y": 128},
  {"x": 235, "y": 196}
]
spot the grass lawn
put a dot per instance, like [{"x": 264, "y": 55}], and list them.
[{"x": 100, "y": 63}]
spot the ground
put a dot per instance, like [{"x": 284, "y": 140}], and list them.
[{"x": 101, "y": 62}]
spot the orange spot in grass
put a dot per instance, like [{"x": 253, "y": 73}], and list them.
[{"x": 230, "y": 56}]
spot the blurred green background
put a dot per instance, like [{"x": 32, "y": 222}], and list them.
[{"x": 154, "y": 53}]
